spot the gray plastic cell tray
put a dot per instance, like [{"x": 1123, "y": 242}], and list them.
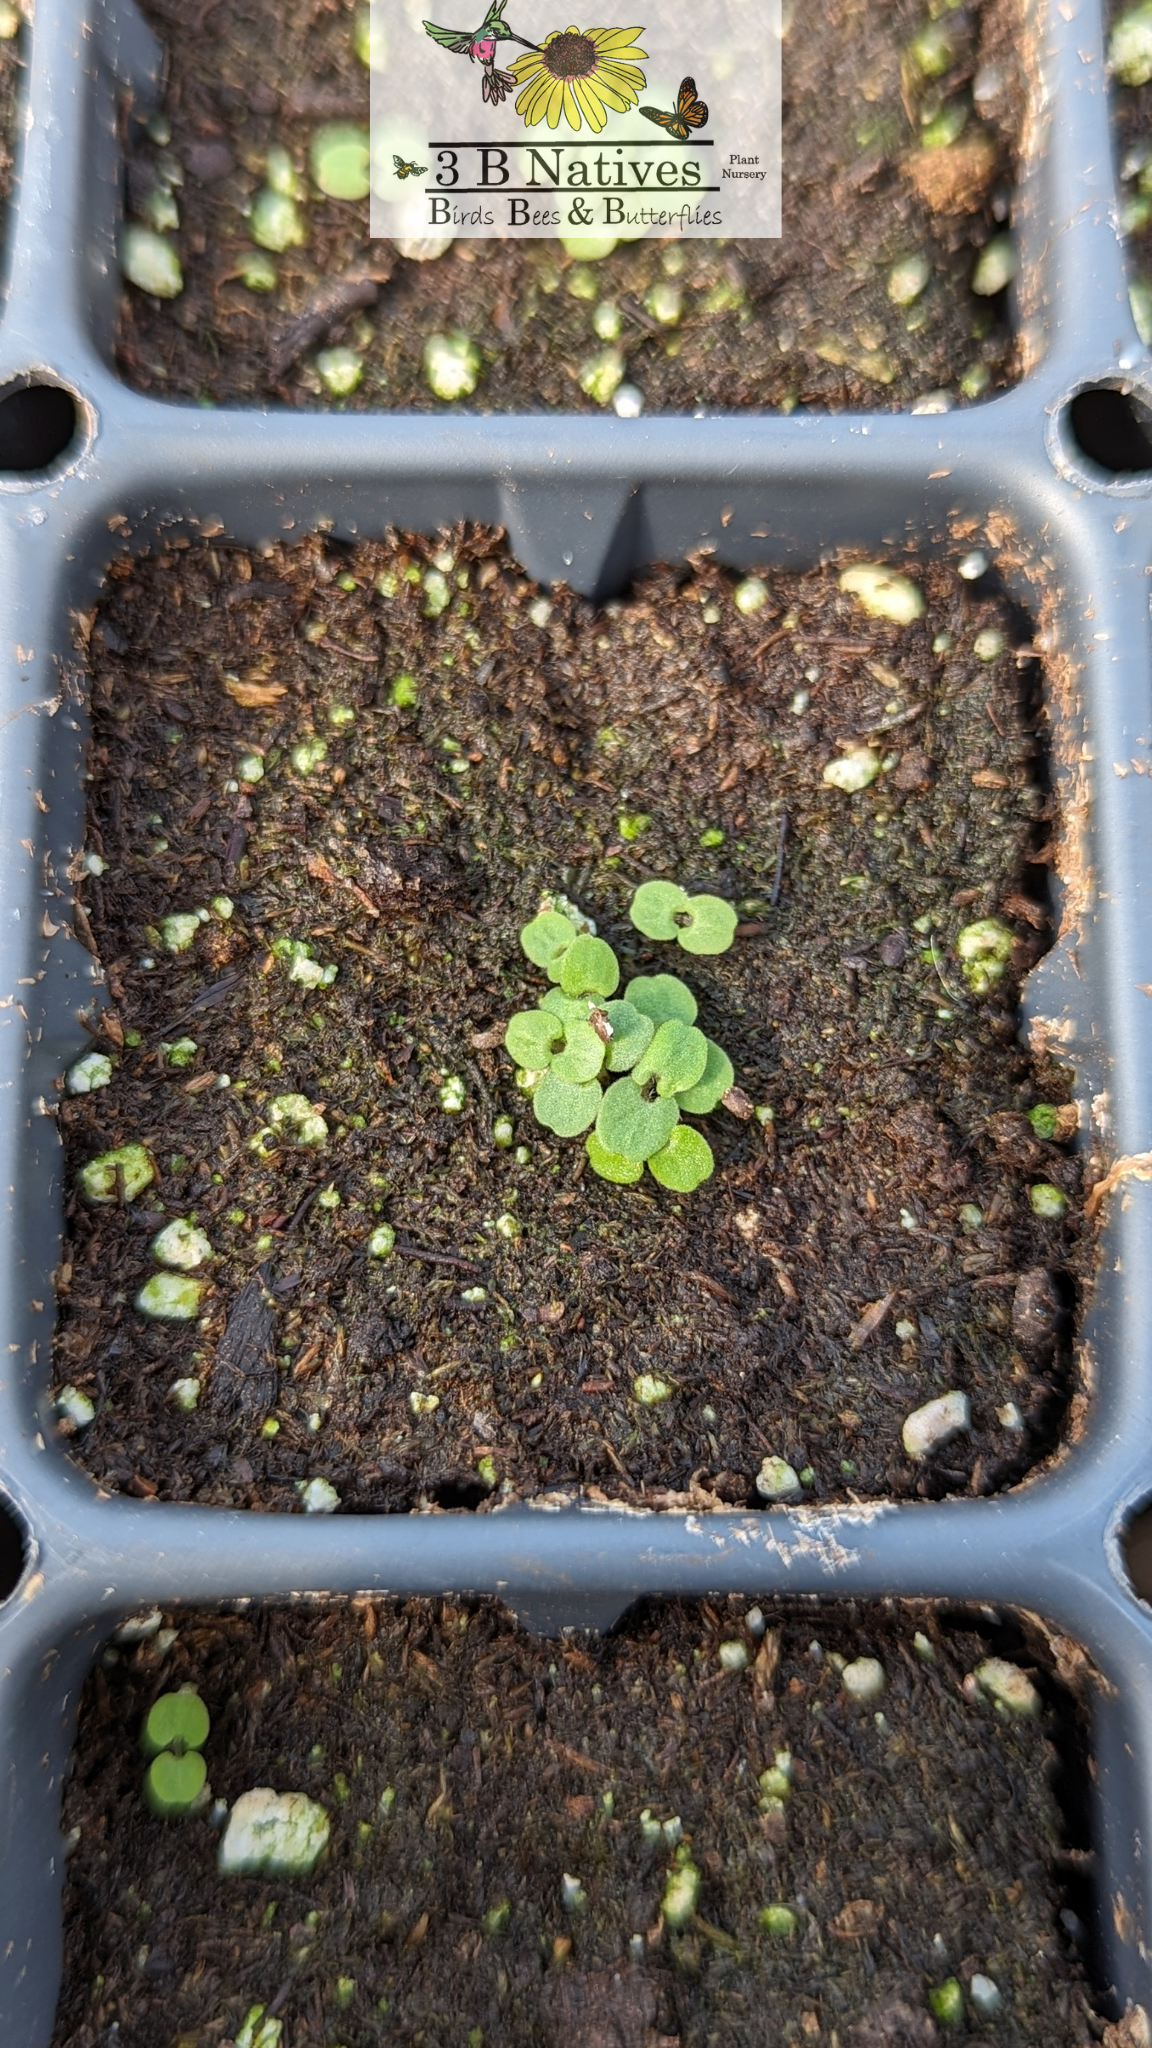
[{"x": 585, "y": 501}]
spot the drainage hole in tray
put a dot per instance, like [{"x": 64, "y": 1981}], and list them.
[
  {"x": 37, "y": 423},
  {"x": 11, "y": 1552},
  {"x": 1137, "y": 1547},
  {"x": 1112, "y": 429}
]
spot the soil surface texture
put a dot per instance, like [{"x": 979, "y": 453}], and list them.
[
  {"x": 870, "y": 1247},
  {"x": 472, "y": 1773},
  {"x": 807, "y": 319}
]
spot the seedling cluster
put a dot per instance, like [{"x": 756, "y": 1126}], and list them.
[
  {"x": 624, "y": 1069},
  {"x": 174, "y": 1732}
]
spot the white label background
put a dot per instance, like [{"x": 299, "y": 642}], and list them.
[{"x": 481, "y": 172}]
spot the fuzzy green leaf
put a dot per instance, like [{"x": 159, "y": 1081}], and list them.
[
  {"x": 683, "y": 1162},
  {"x": 545, "y": 937},
  {"x": 655, "y": 908},
  {"x": 173, "y": 1784},
  {"x": 632, "y": 1127},
  {"x": 631, "y": 1035},
  {"x": 712, "y": 927},
  {"x": 564, "y": 1107},
  {"x": 611, "y": 1165},
  {"x": 531, "y": 1037},
  {"x": 714, "y": 1082},
  {"x": 177, "y": 1720},
  {"x": 569, "y": 1009},
  {"x": 661, "y": 996},
  {"x": 675, "y": 1060},
  {"x": 581, "y": 1056},
  {"x": 589, "y": 967}
]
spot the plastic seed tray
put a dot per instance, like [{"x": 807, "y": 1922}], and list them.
[{"x": 88, "y": 468}]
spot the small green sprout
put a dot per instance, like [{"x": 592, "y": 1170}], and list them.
[
  {"x": 308, "y": 754},
  {"x": 486, "y": 1470},
  {"x": 681, "y": 1892},
  {"x": 340, "y": 370},
  {"x": 1047, "y": 1201},
  {"x": 578, "y": 1036},
  {"x": 258, "y": 2032},
  {"x": 985, "y": 948},
  {"x": 149, "y": 261},
  {"x": 405, "y": 692},
  {"x": 602, "y": 374},
  {"x": 778, "y": 1921},
  {"x": 179, "y": 1052},
  {"x": 701, "y": 924},
  {"x": 633, "y": 824},
  {"x": 339, "y": 160},
  {"x": 496, "y": 1919},
  {"x": 317, "y": 1496},
  {"x": 649, "y": 1389},
  {"x": 257, "y": 271},
  {"x": 503, "y": 1133},
  {"x": 452, "y": 1094},
  {"x": 117, "y": 1176},
  {"x": 1044, "y": 1118},
  {"x": 174, "y": 1784},
  {"x": 947, "y": 2002},
  {"x": 177, "y": 1721},
  {"x": 276, "y": 222},
  {"x": 174, "y": 1732},
  {"x": 452, "y": 365},
  {"x": 382, "y": 1241}
]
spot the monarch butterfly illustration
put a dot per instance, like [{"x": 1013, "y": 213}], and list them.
[
  {"x": 690, "y": 112},
  {"x": 404, "y": 170}
]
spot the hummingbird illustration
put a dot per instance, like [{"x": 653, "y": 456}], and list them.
[{"x": 479, "y": 46}]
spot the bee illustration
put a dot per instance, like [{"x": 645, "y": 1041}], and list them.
[
  {"x": 690, "y": 112},
  {"x": 404, "y": 170}
]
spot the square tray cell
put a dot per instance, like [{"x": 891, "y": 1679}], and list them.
[
  {"x": 714, "y": 1814},
  {"x": 362, "y": 770},
  {"x": 902, "y": 131}
]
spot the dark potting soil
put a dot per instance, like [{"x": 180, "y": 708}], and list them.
[
  {"x": 11, "y": 79},
  {"x": 468, "y": 1769},
  {"x": 805, "y": 319},
  {"x": 870, "y": 1248}
]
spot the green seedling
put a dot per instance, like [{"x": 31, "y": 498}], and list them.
[
  {"x": 339, "y": 160},
  {"x": 683, "y": 1162},
  {"x": 173, "y": 1784},
  {"x": 578, "y": 1037},
  {"x": 276, "y": 222},
  {"x": 661, "y": 997},
  {"x": 177, "y": 1721},
  {"x": 701, "y": 924}
]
